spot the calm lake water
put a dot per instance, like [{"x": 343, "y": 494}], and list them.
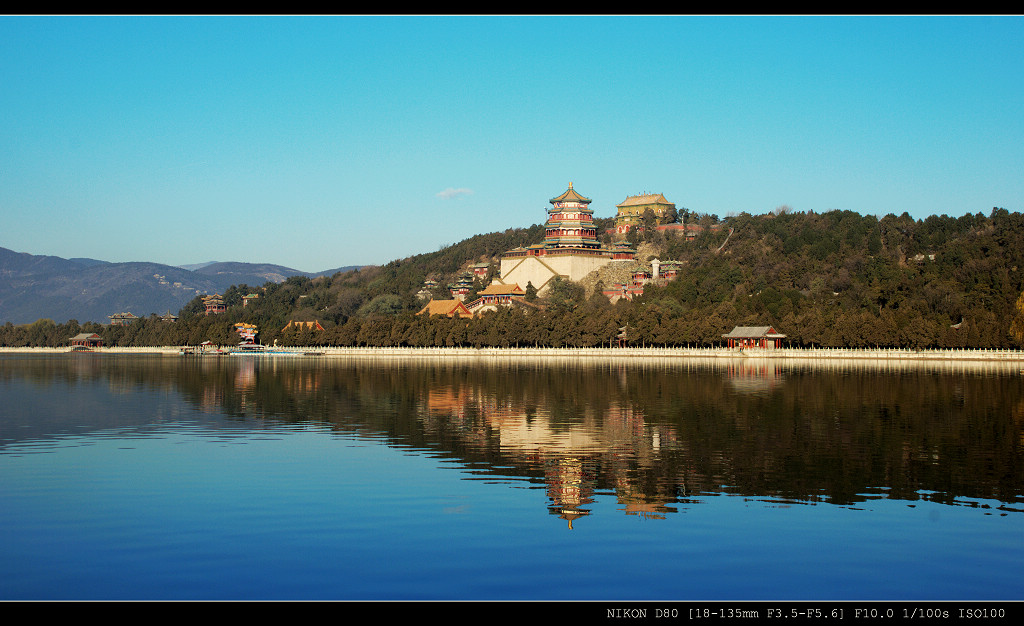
[{"x": 147, "y": 477}]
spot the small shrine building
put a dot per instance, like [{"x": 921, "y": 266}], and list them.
[
  {"x": 754, "y": 337},
  {"x": 122, "y": 319},
  {"x": 214, "y": 304},
  {"x": 86, "y": 340}
]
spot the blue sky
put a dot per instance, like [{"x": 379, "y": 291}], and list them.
[{"x": 319, "y": 142}]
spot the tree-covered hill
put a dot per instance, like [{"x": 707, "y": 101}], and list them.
[
  {"x": 843, "y": 279},
  {"x": 824, "y": 279}
]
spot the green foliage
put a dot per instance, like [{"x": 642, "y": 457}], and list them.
[
  {"x": 384, "y": 304},
  {"x": 563, "y": 295}
]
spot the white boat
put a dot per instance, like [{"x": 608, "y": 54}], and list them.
[{"x": 248, "y": 347}]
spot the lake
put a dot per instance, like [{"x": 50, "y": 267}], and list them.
[{"x": 133, "y": 477}]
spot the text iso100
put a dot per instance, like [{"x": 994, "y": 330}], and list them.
[{"x": 983, "y": 613}]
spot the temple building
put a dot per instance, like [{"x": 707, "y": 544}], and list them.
[
  {"x": 122, "y": 319},
  {"x": 214, "y": 304},
  {"x": 631, "y": 210},
  {"x": 496, "y": 295},
  {"x": 570, "y": 248},
  {"x": 86, "y": 340},
  {"x": 461, "y": 288}
]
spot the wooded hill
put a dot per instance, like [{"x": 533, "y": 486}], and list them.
[{"x": 836, "y": 279}]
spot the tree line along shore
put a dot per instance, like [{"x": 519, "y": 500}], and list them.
[{"x": 826, "y": 280}]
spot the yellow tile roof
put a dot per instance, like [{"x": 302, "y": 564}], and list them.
[
  {"x": 645, "y": 198},
  {"x": 499, "y": 289},
  {"x": 444, "y": 307}
]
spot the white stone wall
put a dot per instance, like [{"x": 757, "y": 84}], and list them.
[{"x": 541, "y": 270}]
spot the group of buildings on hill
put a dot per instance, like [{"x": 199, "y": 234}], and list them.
[{"x": 570, "y": 250}]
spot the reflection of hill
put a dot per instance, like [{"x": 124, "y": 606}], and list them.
[{"x": 658, "y": 437}]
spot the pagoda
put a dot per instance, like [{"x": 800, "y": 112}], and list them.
[
  {"x": 570, "y": 249},
  {"x": 570, "y": 222}
]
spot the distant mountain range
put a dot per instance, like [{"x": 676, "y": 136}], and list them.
[{"x": 37, "y": 286}]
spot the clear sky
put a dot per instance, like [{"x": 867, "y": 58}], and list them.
[{"x": 319, "y": 142}]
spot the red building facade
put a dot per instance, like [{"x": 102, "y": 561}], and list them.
[{"x": 754, "y": 337}]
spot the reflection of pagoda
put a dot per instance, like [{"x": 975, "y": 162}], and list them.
[{"x": 570, "y": 486}]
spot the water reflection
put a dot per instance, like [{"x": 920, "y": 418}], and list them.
[{"x": 658, "y": 436}]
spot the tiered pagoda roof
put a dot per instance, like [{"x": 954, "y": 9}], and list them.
[{"x": 570, "y": 195}]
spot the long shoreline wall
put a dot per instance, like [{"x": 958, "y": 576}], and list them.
[{"x": 618, "y": 353}]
